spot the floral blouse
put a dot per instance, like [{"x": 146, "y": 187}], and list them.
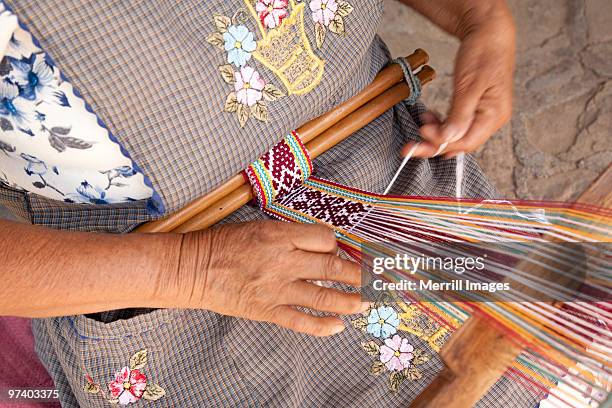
[{"x": 51, "y": 143}]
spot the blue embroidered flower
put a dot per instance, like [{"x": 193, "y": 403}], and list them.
[
  {"x": 383, "y": 322},
  {"x": 15, "y": 111},
  {"x": 239, "y": 44},
  {"x": 36, "y": 80}
]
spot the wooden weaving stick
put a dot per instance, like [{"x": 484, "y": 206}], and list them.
[
  {"x": 386, "y": 79},
  {"x": 478, "y": 353},
  {"x": 317, "y": 146}
]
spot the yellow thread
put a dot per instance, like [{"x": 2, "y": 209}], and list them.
[{"x": 309, "y": 77}]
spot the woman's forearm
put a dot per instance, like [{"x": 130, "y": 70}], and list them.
[
  {"x": 459, "y": 17},
  {"x": 51, "y": 273}
]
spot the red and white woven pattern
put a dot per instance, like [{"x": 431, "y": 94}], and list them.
[{"x": 278, "y": 172}]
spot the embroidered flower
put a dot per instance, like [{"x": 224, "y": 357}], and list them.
[
  {"x": 329, "y": 15},
  {"x": 383, "y": 322},
  {"x": 239, "y": 44},
  {"x": 323, "y": 11},
  {"x": 396, "y": 354},
  {"x": 36, "y": 80},
  {"x": 393, "y": 356},
  {"x": 129, "y": 385},
  {"x": 16, "y": 111},
  {"x": 271, "y": 12},
  {"x": 249, "y": 86}
]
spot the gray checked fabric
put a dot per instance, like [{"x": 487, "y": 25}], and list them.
[{"x": 146, "y": 69}]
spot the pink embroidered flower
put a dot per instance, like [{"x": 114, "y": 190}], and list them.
[
  {"x": 396, "y": 353},
  {"x": 249, "y": 85},
  {"x": 271, "y": 12},
  {"x": 128, "y": 387},
  {"x": 323, "y": 11}
]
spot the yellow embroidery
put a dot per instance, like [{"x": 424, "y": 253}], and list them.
[
  {"x": 284, "y": 48},
  {"x": 415, "y": 321},
  {"x": 286, "y": 51}
]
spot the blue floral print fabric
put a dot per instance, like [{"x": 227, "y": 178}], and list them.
[{"x": 51, "y": 143}]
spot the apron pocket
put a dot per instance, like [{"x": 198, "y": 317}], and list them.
[{"x": 167, "y": 357}]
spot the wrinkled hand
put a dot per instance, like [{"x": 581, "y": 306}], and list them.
[
  {"x": 483, "y": 82},
  {"x": 262, "y": 270}
]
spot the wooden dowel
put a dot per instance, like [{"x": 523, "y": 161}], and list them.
[
  {"x": 388, "y": 77},
  {"x": 337, "y": 133},
  {"x": 365, "y": 115}
]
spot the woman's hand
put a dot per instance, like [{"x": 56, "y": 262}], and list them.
[
  {"x": 483, "y": 77},
  {"x": 258, "y": 270},
  {"x": 262, "y": 270}
]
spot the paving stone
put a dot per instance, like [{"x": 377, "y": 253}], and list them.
[
  {"x": 552, "y": 130},
  {"x": 593, "y": 147},
  {"x": 563, "y": 186},
  {"x": 598, "y": 57},
  {"x": 538, "y": 21},
  {"x": 498, "y": 154},
  {"x": 599, "y": 16}
]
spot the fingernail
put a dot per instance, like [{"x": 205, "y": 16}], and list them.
[
  {"x": 449, "y": 133},
  {"x": 413, "y": 149},
  {"x": 441, "y": 148},
  {"x": 339, "y": 328}
]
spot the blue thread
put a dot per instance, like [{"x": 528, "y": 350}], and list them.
[
  {"x": 411, "y": 79},
  {"x": 72, "y": 323}
]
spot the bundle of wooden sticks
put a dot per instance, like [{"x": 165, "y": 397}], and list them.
[{"x": 319, "y": 135}]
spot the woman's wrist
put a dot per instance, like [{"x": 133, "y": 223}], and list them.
[
  {"x": 181, "y": 281},
  {"x": 462, "y": 17},
  {"x": 476, "y": 15}
]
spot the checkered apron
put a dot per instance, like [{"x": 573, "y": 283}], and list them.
[{"x": 148, "y": 72}]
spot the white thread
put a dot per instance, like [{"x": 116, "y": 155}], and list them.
[
  {"x": 401, "y": 167},
  {"x": 459, "y": 175},
  {"x": 441, "y": 148}
]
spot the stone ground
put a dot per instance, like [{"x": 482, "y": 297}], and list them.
[{"x": 560, "y": 136}]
